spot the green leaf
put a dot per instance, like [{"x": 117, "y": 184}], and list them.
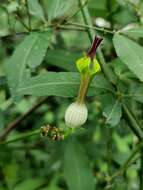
[
  {"x": 36, "y": 9},
  {"x": 135, "y": 92},
  {"x": 130, "y": 53},
  {"x": 76, "y": 168},
  {"x": 30, "y": 53},
  {"x": 58, "y": 8},
  {"x": 30, "y": 184},
  {"x": 62, "y": 59},
  {"x": 135, "y": 32},
  {"x": 3, "y": 80},
  {"x": 63, "y": 84},
  {"x": 112, "y": 112}
]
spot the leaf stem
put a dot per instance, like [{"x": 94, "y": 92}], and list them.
[
  {"x": 20, "y": 137},
  {"x": 21, "y": 21}
]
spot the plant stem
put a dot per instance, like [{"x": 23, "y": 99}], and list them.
[
  {"x": 91, "y": 27},
  {"x": 21, "y": 21},
  {"x": 133, "y": 124},
  {"x": 20, "y": 137},
  {"x": 18, "y": 121},
  {"x": 127, "y": 163}
]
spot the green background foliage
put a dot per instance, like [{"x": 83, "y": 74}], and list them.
[{"x": 40, "y": 41}]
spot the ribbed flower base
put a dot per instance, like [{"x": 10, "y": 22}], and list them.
[{"x": 76, "y": 114}]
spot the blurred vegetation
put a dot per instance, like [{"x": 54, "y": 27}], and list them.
[{"x": 105, "y": 153}]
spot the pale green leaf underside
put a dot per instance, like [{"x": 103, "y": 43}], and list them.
[
  {"x": 130, "y": 53},
  {"x": 63, "y": 84},
  {"x": 76, "y": 168}
]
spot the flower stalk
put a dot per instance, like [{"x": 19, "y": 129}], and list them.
[{"x": 84, "y": 85}]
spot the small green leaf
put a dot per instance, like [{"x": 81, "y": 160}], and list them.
[
  {"x": 135, "y": 92},
  {"x": 36, "y": 9},
  {"x": 112, "y": 112},
  {"x": 59, "y": 8},
  {"x": 30, "y": 53},
  {"x": 30, "y": 184},
  {"x": 130, "y": 53},
  {"x": 135, "y": 32},
  {"x": 76, "y": 167}
]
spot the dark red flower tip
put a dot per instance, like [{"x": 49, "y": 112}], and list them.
[{"x": 92, "y": 52}]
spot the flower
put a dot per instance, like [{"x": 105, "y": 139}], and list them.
[
  {"x": 76, "y": 114},
  {"x": 92, "y": 52}
]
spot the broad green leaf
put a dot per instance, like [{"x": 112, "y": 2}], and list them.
[
  {"x": 63, "y": 84},
  {"x": 135, "y": 92},
  {"x": 130, "y": 53},
  {"x": 62, "y": 58},
  {"x": 135, "y": 32},
  {"x": 36, "y": 9},
  {"x": 58, "y": 8},
  {"x": 30, "y": 184},
  {"x": 10, "y": 171},
  {"x": 112, "y": 112},
  {"x": 30, "y": 53},
  {"x": 76, "y": 167}
]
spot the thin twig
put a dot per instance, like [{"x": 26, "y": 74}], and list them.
[
  {"x": 18, "y": 121},
  {"x": 21, "y": 21},
  {"x": 133, "y": 123},
  {"x": 127, "y": 163},
  {"x": 91, "y": 27},
  {"x": 20, "y": 137}
]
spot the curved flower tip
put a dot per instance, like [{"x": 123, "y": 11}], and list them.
[
  {"x": 76, "y": 115},
  {"x": 91, "y": 53}
]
